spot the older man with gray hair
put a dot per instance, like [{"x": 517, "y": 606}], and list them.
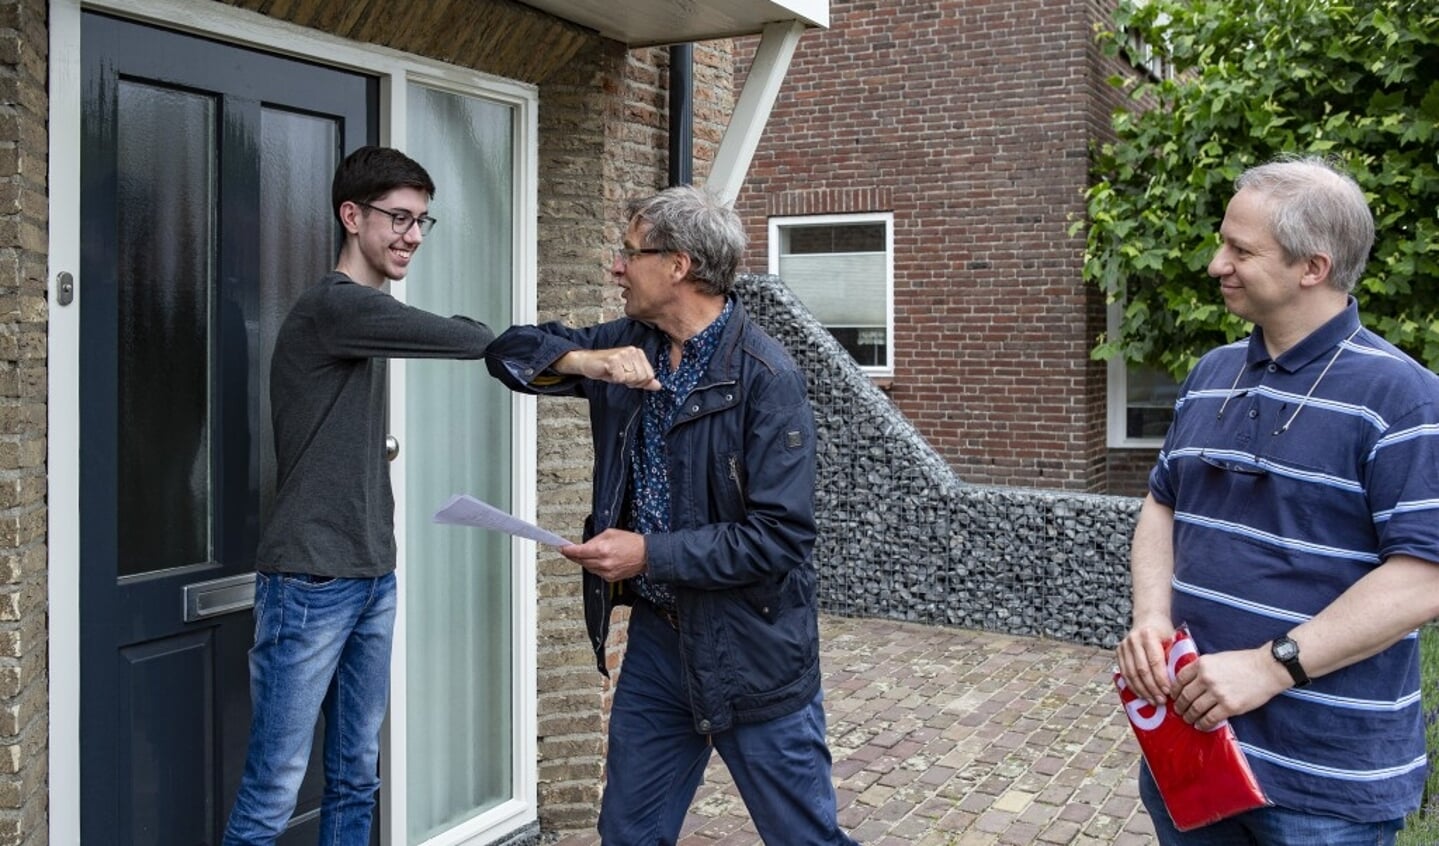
[
  {"x": 1293, "y": 523},
  {"x": 702, "y": 522}
]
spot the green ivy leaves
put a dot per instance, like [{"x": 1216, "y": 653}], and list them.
[{"x": 1355, "y": 80}]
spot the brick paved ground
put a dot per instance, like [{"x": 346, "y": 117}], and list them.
[{"x": 951, "y": 737}]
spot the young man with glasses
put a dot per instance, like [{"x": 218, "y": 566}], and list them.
[
  {"x": 1293, "y": 523},
  {"x": 702, "y": 523},
  {"x": 325, "y": 586}
]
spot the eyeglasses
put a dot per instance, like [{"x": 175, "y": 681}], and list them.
[
  {"x": 627, "y": 254},
  {"x": 1230, "y": 465},
  {"x": 401, "y": 221}
]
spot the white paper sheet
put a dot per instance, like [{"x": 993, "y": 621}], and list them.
[{"x": 465, "y": 510}]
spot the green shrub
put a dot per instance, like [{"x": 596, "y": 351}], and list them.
[
  {"x": 1422, "y": 827},
  {"x": 1355, "y": 80}
]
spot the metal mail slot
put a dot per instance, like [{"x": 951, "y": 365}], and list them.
[{"x": 219, "y": 596}]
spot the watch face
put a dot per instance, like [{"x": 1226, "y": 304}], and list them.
[{"x": 1285, "y": 650}]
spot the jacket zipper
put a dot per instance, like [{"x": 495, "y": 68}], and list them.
[{"x": 624, "y": 467}]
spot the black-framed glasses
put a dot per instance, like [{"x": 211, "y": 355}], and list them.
[
  {"x": 401, "y": 221},
  {"x": 1230, "y": 465},
  {"x": 627, "y": 254}
]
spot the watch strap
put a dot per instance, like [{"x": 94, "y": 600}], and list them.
[{"x": 1291, "y": 663}]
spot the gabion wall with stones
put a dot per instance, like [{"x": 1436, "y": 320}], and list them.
[{"x": 902, "y": 537}]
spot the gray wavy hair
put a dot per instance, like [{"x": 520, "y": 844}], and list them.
[
  {"x": 1316, "y": 208},
  {"x": 694, "y": 221}
]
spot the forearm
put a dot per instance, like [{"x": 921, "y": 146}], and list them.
[
  {"x": 1369, "y": 617},
  {"x": 1151, "y": 564},
  {"x": 572, "y": 363},
  {"x": 523, "y": 357},
  {"x": 725, "y": 556}
]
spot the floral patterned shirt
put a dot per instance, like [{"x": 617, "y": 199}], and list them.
[{"x": 649, "y": 474}]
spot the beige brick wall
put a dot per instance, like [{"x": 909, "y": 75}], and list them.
[
  {"x": 24, "y": 724},
  {"x": 603, "y": 139},
  {"x": 595, "y": 153}
]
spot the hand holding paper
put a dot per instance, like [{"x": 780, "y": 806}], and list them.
[
  {"x": 613, "y": 555},
  {"x": 465, "y": 510}
]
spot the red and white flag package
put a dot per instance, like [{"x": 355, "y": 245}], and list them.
[{"x": 1202, "y": 775}]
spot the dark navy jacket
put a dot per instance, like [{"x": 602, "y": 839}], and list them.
[{"x": 742, "y": 467}]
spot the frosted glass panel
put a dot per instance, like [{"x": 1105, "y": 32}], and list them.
[
  {"x": 167, "y": 196},
  {"x": 459, "y": 741},
  {"x": 299, "y": 241},
  {"x": 845, "y": 289}
]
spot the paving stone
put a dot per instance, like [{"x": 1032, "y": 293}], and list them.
[
  {"x": 952, "y": 737},
  {"x": 1061, "y": 831},
  {"x": 1020, "y": 834},
  {"x": 994, "y": 821},
  {"x": 1014, "y": 801}
]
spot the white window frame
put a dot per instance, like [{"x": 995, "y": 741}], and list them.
[
  {"x": 1145, "y": 58},
  {"x": 776, "y": 224},
  {"x": 1117, "y": 374},
  {"x": 395, "y": 70},
  {"x": 523, "y": 808}
]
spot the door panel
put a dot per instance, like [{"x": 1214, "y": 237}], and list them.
[
  {"x": 205, "y": 175},
  {"x": 157, "y": 781}
]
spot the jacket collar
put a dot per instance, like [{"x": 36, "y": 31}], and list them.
[{"x": 724, "y": 364}]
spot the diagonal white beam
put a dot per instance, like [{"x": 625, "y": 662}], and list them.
[{"x": 751, "y": 113}]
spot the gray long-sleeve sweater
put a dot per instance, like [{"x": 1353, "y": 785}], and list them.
[{"x": 334, "y": 512}]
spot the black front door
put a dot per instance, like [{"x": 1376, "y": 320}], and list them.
[{"x": 205, "y": 172}]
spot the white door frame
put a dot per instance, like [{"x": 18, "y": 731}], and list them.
[{"x": 396, "y": 70}]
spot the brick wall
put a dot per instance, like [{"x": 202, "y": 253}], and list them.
[
  {"x": 577, "y": 109},
  {"x": 604, "y": 139},
  {"x": 24, "y": 722},
  {"x": 1127, "y": 470},
  {"x": 971, "y": 122},
  {"x": 602, "y": 136}
]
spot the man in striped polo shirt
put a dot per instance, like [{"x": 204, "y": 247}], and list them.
[{"x": 1293, "y": 523}]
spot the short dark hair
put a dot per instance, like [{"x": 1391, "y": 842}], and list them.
[{"x": 372, "y": 172}]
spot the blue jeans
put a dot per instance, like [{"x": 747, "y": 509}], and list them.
[
  {"x": 320, "y": 646},
  {"x": 656, "y": 759},
  {"x": 1269, "y": 826}
]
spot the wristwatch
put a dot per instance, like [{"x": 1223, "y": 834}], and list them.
[{"x": 1286, "y": 652}]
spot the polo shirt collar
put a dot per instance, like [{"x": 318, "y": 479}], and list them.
[{"x": 1315, "y": 344}]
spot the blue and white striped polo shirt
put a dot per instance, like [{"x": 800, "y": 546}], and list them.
[{"x": 1271, "y": 525}]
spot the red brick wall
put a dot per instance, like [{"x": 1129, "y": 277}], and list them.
[
  {"x": 1127, "y": 471},
  {"x": 971, "y": 121}
]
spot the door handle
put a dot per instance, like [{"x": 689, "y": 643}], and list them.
[
  {"x": 219, "y": 596},
  {"x": 392, "y": 447}
]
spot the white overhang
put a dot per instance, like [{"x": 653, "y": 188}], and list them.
[
  {"x": 644, "y": 23},
  {"x": 647, "y": 23}
]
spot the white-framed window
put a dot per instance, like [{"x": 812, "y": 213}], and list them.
[
  {"x": 841, "y": 267},
  {"x": 1141, "y": 401},
  {"x": 1147, "y": 59}
]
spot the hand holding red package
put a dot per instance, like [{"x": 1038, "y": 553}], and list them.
[{"x": 1202, "y": 775}]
